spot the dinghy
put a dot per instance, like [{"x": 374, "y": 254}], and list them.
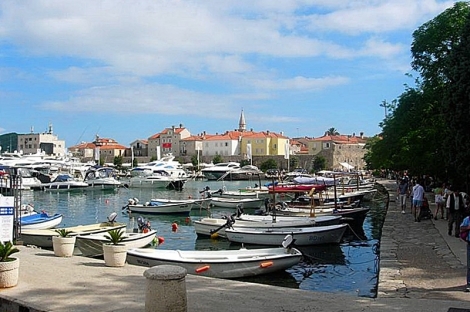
[{"x": 219, "y": 263}]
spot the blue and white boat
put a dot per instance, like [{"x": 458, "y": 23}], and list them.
[{"x": 40, "y": 221}]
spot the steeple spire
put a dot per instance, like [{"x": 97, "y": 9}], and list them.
[{"x": 242, "y": 123}]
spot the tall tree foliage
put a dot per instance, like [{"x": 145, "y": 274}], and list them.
[
  {"x": 426, "y": 130},
  {"x": 457, "y": 108}
]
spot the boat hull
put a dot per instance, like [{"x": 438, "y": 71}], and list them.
[
  {"x": 318, "y": 235},
  {"x": 176, "y": 208},
  {"x": 246, "y": 203},
  {"x": 92, "y": 245},
  {"x": 219, "y": 263},
  {"x": 43, "y": 238},
  {"x": 209, "y": 226},
  {"x": 40, "y": 221}
]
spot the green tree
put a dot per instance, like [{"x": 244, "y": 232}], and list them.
[
  {"x": 318, "y": 163},
  {"x": 118, "y": 162},
  {"x": 332, "y": 131},
  {"x": 457, "y": 108},
  {"x": 244, "y": 162},
  {"x": 423, "y": 130},
  {"x": 268, "y": 164},
  {"x": 217, "y": 159}
]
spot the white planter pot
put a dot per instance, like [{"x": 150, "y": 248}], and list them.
[
  {"x": 114, "y": 255},
  {"x": 63, "y": 246},
  {"x": 9, "y": 272}
]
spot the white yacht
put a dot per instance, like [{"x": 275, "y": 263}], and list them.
[
  {"x": 216, "y": 171},
  {"x": 163, "y": 173},
  {"x": 101, "y": 178}
]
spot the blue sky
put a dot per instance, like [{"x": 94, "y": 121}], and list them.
[{"x": 128, "y": 69}]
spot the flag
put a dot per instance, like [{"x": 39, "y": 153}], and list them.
[
  {"x": 248, "y": 151},
  {"x": 198, "y": 146},
  {"x": 287, "y": 150},
  {"x": 158, "y": 152}
]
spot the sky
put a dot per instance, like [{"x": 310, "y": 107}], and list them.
[{"x": 126, "y": 70}]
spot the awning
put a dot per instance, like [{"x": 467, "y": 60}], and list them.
[{"x": 346, "y": 165}]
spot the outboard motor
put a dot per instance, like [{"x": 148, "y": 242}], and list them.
[
  {"x": 240, "y": 210},
  {"x": 288, "y": 241},
  {"x": 143, "y": 224},
  {"x": 112, "y": 217}
]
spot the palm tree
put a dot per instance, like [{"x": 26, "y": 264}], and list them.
[{"x": 332, "y": 131}]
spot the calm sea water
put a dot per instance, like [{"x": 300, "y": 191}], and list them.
[{"x": 351, "y": 267}]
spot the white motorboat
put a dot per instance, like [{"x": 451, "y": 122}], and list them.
[
  {"x": 219, "y": 263},
  {"x": 63, "y": 182},
  {"x": 233, "y": 203},
  {"x": 216, "y": 171},
  {"x": 43, "y": 238},
  {"x": 156, "y": 206},
  {"x": 101, "y": 178},
  {"x": 154, "y": 178},
  {"x": 248, "y": 192},
  {"x": 40, "y": 221},
  {"x": 318, "y": 220},
  {"x": 24, "y": 180},
  {"x": 92, "y": 245},
  {"x": 216, "y": 226},
  {"x": 303, "y": 236},
  {"x": 247, "y": 172},
  {"x": 163, "y": 173}
]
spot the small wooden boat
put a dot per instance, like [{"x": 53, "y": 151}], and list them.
[
  {"x": 211, "y": 226},
  {"x": 43, "y": 238},
  {"x": 233, "y": 203},
  {"x": 289, "y": 188},
  {"x": 219, "y": 263},
  {"x": 354, "y": 216},
  {"x": 155, "y": 206},
  {"x": 303, "y": 236},
  {"x": 92, "y": 245},
  {"x": 318, "y": 220},
  {"x": 40, "y": 221}
]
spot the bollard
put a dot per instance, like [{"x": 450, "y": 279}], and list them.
[{"x": 166, "y": 289}]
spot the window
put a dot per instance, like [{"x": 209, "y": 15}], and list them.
[{"x": 226, "y": 144}]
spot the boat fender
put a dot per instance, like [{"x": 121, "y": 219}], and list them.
[
  {"x": 174, "y": 226},
  {"x": 265, "y": 264},
  {"x": 161, "y": 240},
  {"x": 203, "y": 269}
]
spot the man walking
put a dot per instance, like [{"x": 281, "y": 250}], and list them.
[
  {"x": 402, "y": 191},
  {"x": 456, "y": 206},
  {"x": 418, "y": 196}
]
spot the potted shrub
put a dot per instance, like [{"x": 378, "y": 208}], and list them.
[
  {"x": 63, "y": 244},
  {"x": 115, "y": 253},
  {"x": 9, "y": 267}
]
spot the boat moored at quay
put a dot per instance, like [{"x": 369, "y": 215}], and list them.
[{"x": 179, "y": 233}]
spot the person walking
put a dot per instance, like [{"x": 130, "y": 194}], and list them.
[
  {"x": 439, "y": 200},
  {"x": 465, "y": 227},
  {"x": 418, "y": 196},
  {"x": 456, "y": 205},
  {"x": 402, "y": 191}
]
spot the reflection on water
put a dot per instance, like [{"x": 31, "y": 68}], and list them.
[{"x": 350, "y": 268}]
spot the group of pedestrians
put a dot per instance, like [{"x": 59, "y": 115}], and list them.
[
  {"x": 413, "y": 190},
  {"x": 452, "y": 205}
]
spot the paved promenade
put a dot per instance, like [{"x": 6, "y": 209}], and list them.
[{"x": 422, "y": 269}]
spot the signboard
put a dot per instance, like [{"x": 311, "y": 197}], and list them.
[{"x": 6, "y": 218}]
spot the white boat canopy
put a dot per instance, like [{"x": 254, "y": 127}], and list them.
[{"x": 346, "y": 165}]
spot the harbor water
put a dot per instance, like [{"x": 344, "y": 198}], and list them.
[{"x": 351, "y": 267}]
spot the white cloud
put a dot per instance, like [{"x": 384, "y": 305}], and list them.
[{"x": 302, "y": 83}]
